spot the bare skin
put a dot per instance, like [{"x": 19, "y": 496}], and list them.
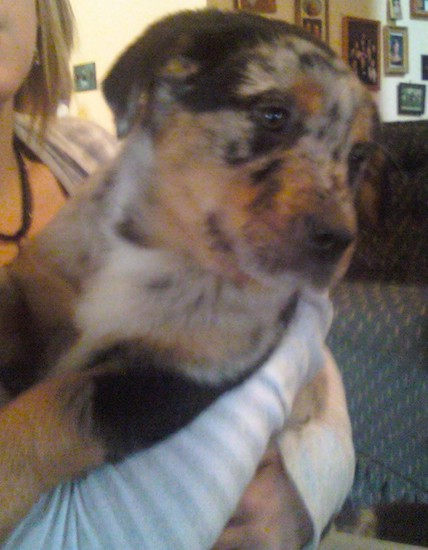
[{"x": 271, "y": 515}]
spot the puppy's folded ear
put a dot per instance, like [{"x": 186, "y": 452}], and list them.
[
  {"x": 159, "y": 55},
  {"x": 128, "y": 82},
  {"x": 130, "y": 96}
]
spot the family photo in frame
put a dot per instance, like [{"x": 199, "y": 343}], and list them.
[
  {"x": 396, "y": 50},
  {"x": 361, "y": 47}
]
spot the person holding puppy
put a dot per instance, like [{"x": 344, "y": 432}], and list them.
[{"x": 305, "y": 474}]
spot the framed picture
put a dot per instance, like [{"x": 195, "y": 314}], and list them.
[
  {"x": 360, "y": 49},
  {"x": 85, "y": 77},
  {"x": 411, "y": 99},
  {"x": 394, "y": 9},
  {"x": 419, "y": 8},
  {"x": 396, "y": 50},
  {"x": 312, "y": 15},
  {"x": 258, "y": 6},
  {"x": 424, "y": 59}
]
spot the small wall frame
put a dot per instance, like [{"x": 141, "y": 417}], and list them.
[
  {"x": 411, "y": 99},
  {"x": 419, "y": 9},
  {"x": 313, "y": 16},
  {"x": 394, "y": 10},
  {"x": 257, "y": 6},
  {"x": 396, "y": 50},
  {"x": 85, "y": 77},
  {"x": 424, "y": 67}
]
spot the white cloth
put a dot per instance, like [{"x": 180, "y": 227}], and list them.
[{"x": 319, "y": 456}]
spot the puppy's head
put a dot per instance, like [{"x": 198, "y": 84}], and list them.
[{"x": 260, "y": 139}]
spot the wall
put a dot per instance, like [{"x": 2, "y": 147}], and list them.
[{"x": 105, "y": 28}]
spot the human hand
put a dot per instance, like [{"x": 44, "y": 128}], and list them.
[{"x": 271, "y": 515}]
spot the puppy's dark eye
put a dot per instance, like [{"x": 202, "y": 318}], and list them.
[{"x": 272, "y": 118}]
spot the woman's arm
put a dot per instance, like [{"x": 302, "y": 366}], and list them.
[
  {"x": 181, "y": 493},
  {"x": 317, "y": 449}
]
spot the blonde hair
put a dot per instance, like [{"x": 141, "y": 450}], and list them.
[{"x": 49, "y": 80}]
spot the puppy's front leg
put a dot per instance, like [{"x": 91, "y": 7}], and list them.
[
  {"x": 70, "y": 424},
  {"x": 45, "y": 437}
]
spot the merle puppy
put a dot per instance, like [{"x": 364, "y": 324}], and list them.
[{"x": 171, "y": 276}]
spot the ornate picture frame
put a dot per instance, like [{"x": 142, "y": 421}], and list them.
[
  {"x": 419, "y": 9},
  {"x": 396, "y": 50},
  {"x": 361, "y": 49}
]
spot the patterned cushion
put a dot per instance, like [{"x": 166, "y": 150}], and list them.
[{"x": 380, "y": 340}]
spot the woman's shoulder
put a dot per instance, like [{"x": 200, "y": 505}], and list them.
[
  {"x": 71, "y": 147},
  {"x": 87, "y": 135},
  {"x": 69, "y": 135}
]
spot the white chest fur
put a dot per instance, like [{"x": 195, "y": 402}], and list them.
[{"x": 216, "y": 329}]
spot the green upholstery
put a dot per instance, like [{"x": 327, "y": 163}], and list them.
[{"x": 380, "y": 332}]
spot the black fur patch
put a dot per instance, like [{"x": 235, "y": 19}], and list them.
[
  {"x": 129, "y": 231},
  {"x": 233, "y": 155},
  {"x": 136, "y": 409},
  {"x": 18, "y": 376},
  {"x": 265, "y": 178},
  {"x": 265, "y": 173},
  {"x": 23, "y": 357},
  {"x": 265, "y": 199},
  {"x": 103, "y": 190},
  {"x": 160, "y": 284},
  {"x": 333, "y": 117},
  {"x": 289, "y": 310},
  {"x": 139, "y": 401},
  {"x": 218, "y": 239},
  {"x": 357, "y": 161}
]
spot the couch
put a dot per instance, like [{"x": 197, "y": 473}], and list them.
[{"x": 380, "y": 331}]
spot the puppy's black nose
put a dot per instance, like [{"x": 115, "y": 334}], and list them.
[{"x": 327, "y": 241}]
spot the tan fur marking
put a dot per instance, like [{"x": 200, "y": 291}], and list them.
[
  {"x": 41, "y": 446},
  {"x": 309, "y": 403},
  {"x": 310, "y": 96}
]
